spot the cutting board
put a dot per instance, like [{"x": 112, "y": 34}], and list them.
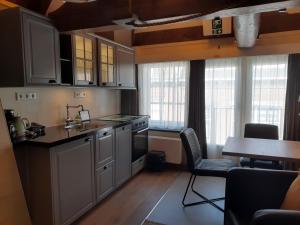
[{"x": 13, "y": 209}]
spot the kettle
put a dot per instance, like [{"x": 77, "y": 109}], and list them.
[{"x": 21, "y": 124}]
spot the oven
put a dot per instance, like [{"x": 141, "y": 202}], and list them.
[{"x": 139, "y": 144}]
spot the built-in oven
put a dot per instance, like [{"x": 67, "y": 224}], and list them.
[{"x": 139, "y": 143}]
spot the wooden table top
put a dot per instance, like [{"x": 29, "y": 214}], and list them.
[{"x": 262, "y": 149}]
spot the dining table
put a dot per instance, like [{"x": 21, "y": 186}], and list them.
[{"x": 263, "y": 149}]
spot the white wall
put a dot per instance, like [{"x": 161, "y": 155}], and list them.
[{"x": 49, "y": 109}]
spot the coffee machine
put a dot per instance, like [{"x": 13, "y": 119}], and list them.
[{"x": 10, "y": 117}]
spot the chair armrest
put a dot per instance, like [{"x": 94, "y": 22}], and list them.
[
  {"x": 249, "y": 190},
  {"x": 276, "y": 217}
]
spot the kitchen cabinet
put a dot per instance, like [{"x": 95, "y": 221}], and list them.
[
  {"x": 78, "y": 59},
  {"x": 125, "y": 67},
  {"x": 58, "y": 181},
  {"x": 29, "y": 49},
  {"x": 84, "y": 54},
  {"x": 123, "y": 154},
  {"x": 104, "y": 146},
  {"x": 105, "y": 163},
  {"x": 72, "y": 167},
  {"x": 107, "y": 63},
  {"x": 116, "y": 65},
  {"x": 105, "y": 180}
]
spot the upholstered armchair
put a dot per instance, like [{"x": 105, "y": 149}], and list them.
[{"x": 254, "y": 197}]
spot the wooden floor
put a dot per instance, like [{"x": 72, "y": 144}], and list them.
[{"x": 133, "y": 202}]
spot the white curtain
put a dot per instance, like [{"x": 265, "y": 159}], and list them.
[
  {"x": 243, "y": 90},
  {"x": 267, "y": 79},
  {"x": 163, "y": 89},
  {"x": 222, "y": 92}
]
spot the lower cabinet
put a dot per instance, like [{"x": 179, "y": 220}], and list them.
[
  {"x": 72, "y": 167},
  {"x": 123, "y": 154},
  {"x": 63, "y": 182},
  {"x": 105, "y": 181}
]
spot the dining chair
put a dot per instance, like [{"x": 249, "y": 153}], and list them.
[
  {"x": 263, "y": 131},
  {"x": 199, "y": 166}
]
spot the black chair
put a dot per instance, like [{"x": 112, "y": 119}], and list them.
[
  {"x": 264, "y": 131},
  {"x": 201, "y": 167},
  {"x": 254, "y": 197}
]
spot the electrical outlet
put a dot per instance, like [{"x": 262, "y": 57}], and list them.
[
  {"x": 24, "y": 96},
  {"x": 31, "y": 96},
  {"x": 80, "y": 94},
  {"x": 20, "y": 96}
]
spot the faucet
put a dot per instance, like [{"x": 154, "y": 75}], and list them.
[{"x": 69, "y": 120}]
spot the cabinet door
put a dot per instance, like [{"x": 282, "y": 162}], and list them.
[
  {"x": 84, "y": 48},
  {"x": 123, "y": 154},
  {"x": 107, "y": 62},
  {"x": 104, "y": 147},
  {"x": 104, "y": 180},
  {"x": 73, "y": 176},
  {"x": 41, "y": 46},
  {"x": 126, "y": 67}
]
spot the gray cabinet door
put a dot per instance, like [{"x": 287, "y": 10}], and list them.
[
  {"x": 123, "y": 154},
  {"x": 72, "y": 168},
  {"x": 104, "y": 147},
  {"x": 41, "y": 51},
  {"x": 125, "y": 67},
  {"x": 104, "y": 180}
]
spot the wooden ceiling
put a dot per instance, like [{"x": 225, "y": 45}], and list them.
[{"x": 102, "y": 14}]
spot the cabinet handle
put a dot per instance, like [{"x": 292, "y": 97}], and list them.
[
  {"x": 105, "y": 167},
  {"x": 88, "y": 139},
  {"x": 105, "y": 133},
  {"x": 123, "y": 128},
  {"x": 120, "y": 85},
  {"x": 91, "y": 82},
  {"x": 104, "y": 84}
]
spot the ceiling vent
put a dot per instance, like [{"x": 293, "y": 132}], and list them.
[{"x": 246, "y": 28}]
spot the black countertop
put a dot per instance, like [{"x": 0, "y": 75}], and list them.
[{"x": 59, "y": 134}]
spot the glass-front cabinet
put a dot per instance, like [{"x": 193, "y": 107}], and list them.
[
  {"x": 106, "y": 58},
  {"x": 84, "y": 60}
]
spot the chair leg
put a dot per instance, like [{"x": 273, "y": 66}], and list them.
[
  {"x": 205, "y": 201},
  {"x": 209, "y": 201}
]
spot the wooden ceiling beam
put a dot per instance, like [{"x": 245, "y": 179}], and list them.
[
  {"x": 39, "y": 6},
  {"x": 271, "y": 22}
]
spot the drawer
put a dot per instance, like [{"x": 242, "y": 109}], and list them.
[
  {"x": 105, "y": 182},
  {"x": 138, "y": 165},
  {"x": 104, "y": 151}
]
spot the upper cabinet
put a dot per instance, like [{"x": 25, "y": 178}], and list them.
[
  {"x": 78, "y": 59},
  {"x": 116, "y": 65},
  {"x": 107, "y": 64},
  {"x": 29, "y": 49},
  {"x": 125, "y": 67},
  {"x": 84, "y": 60}
]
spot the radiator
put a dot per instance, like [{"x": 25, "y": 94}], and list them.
[{"x": 172, "y": 146}]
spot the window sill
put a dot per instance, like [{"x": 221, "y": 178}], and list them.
[{"x": 166, "y": 130}]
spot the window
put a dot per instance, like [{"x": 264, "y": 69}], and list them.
[
  {"x": 163, "y": 93},
  {"x": 269, "y": 79},
  {"x": 221, "y": 82},
  {"x": 243, "y": 90}
]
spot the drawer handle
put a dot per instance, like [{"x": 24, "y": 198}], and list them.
[
  {"x": 105, "y": 133},
  {"x": 120, "y": 85},
  {"x": 105, "y": 167},
  {"x": 103, "y": 84},
  {"x": 88, "y": 139}
]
